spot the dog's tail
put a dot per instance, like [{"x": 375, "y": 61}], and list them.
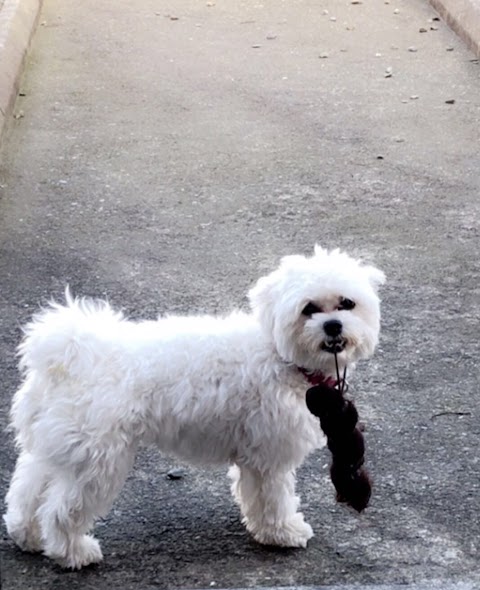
[
  {"x": 59, "y": 345},
  {"x": 59, "y": 338}
]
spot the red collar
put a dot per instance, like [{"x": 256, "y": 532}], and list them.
[{"x": 318, "y": 378}]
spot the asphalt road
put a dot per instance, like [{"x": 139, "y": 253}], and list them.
[{"x": 166, "y": 154}]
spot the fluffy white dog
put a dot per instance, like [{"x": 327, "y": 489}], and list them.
[{"x": 208, "y": 390}]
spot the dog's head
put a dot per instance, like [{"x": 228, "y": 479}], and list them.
[{"x": 313, "y": 307}]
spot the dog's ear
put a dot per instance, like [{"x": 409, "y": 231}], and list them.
[
  {"x": 262, "y": 297},
  {"x": 375, "y": 276}
]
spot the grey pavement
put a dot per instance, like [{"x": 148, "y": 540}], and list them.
[{"x": 167, "y": 154}]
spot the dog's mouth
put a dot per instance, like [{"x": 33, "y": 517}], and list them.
[{"x": 334, "y": 345}]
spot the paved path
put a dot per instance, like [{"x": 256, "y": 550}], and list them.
[{"x": 170, "y": 152}]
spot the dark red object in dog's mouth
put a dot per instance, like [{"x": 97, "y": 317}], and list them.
[{"x": 339, "y": 422}]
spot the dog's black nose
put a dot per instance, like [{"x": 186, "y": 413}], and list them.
[{"x": 333, "y": 328}]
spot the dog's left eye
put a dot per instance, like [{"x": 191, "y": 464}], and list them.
[
  {"x": 346, "y": 304},
  {"x": 311, "y": 308}
]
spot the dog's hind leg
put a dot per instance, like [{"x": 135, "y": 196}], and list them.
[
  {"x": 269, "y": 506},
  {"x": 71, "y": 503},
  {"x": 23, "y": 499},
  {"x": 64, "y": 519}
]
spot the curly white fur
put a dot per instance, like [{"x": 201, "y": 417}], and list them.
[{"x": 208, "y": 390}]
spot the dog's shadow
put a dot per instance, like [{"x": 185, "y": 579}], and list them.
[
  {"x": 190, "y": 527},
  {"x": 208, "y": 530},
  {"x": 182, "y": 528}
]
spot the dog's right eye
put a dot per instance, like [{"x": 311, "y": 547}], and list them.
[{"x": 311, "y": 308}]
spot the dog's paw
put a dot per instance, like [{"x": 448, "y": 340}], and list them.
[
  {"x": 25, "y": 537},
  {"x": 83, "y": 551},
  {"x": 294, "y": 532}
]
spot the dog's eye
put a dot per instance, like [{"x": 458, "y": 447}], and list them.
[
  {"x": 346, "y": 304},
  {"x": 311, "y": 308}
]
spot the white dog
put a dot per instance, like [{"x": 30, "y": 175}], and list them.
[{"x": 208, "y": 390}]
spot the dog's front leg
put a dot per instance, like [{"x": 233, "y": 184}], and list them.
[{"x": 269, "y": 506}]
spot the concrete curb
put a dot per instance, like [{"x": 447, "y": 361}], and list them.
[
  {"x": 463, "y": 16},
  {"x": 18, "y": 19},
  {"x": 432, "y": 585}
]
